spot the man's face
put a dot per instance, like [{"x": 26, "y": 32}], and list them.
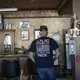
[{"x": 43, "y": 33}]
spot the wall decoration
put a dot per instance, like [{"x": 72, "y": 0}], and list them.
[
  {"x": 25, "y": 35},
  {"x": 36, "y": 33},
  {"x": 24, "y": 24},
  {"x": 8, "y": 26}
]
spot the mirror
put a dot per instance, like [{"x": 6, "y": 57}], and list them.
[{"x": 7, "y": 43}]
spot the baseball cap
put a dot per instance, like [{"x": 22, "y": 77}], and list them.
[{"x": 43, "y": 28}]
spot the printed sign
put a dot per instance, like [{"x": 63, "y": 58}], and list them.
[
  {"x": 74, "y": 32},
  {"x": 72, "y": 47}
]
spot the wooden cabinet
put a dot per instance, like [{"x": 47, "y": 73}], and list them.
[{"x": 7, "y": 41}]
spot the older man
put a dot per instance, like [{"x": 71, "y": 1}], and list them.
[{"x": 41, "y": 53}]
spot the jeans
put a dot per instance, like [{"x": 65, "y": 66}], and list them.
[{"x": 46, "y": 74}]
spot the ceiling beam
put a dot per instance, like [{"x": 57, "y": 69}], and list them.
[
  {"x": 36, "y": 8},
  {"x": 62, "y": 4}
]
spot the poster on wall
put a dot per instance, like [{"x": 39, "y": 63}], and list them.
[
  {"x": 25, "y": 35},
  {"x": 24, "y": 24},
  {"x": 8, "y": 26},
  {"x": 36, "y": 33}
]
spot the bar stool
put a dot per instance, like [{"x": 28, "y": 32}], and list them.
[{"x": 10, "y": 69}]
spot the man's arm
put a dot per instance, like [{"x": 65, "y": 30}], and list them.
[
  {"x": 57, "y": 54},
  {"x": 32, "y": 50},
  {"x": 31, "y": 56}
]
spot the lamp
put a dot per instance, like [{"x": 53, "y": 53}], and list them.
[{"x": 8, "y": 9}]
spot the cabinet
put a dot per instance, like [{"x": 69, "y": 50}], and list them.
[{"x": 7, "y": 39}]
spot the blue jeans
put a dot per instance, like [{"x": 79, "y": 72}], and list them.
[{"x": 46, "y": 74}]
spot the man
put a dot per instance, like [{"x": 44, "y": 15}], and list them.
[{"x": 41, "y": 53}]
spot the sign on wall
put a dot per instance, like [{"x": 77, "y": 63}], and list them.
[
  {"x": 76, "y": 31},
  {"x": 72, "y": 47},
  {"x": 24, "y": 24},
  {"x": 36, "y": 33}
]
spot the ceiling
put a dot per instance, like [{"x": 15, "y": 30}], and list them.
[{"x": 31, "y": 4}]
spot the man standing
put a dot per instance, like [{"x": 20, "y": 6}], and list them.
[{"x": 41, "y": 53}]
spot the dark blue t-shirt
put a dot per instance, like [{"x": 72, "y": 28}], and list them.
[{"x": 43, "y": 48}]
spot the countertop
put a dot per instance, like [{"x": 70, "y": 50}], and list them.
[{"x": 13, "y": 55}]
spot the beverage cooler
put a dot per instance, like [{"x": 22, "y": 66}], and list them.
[{"x": 68, "y": 54}]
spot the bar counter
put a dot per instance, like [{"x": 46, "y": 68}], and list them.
[
  {"x": 22, "y": 58},
  {"x": 13, "y": 56}
]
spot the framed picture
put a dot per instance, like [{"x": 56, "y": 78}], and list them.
[
  {"x": 8, "y": 26},
  {"x": 36, "y": 33},
  {"x": 25, "y": 35},
  {"x": 24, "y": 24}
]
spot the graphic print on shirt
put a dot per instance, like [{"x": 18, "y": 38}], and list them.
[{"x": 43, "y": 47}]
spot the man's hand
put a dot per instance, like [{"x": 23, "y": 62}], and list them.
[{"x": 31, "y": 55}]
